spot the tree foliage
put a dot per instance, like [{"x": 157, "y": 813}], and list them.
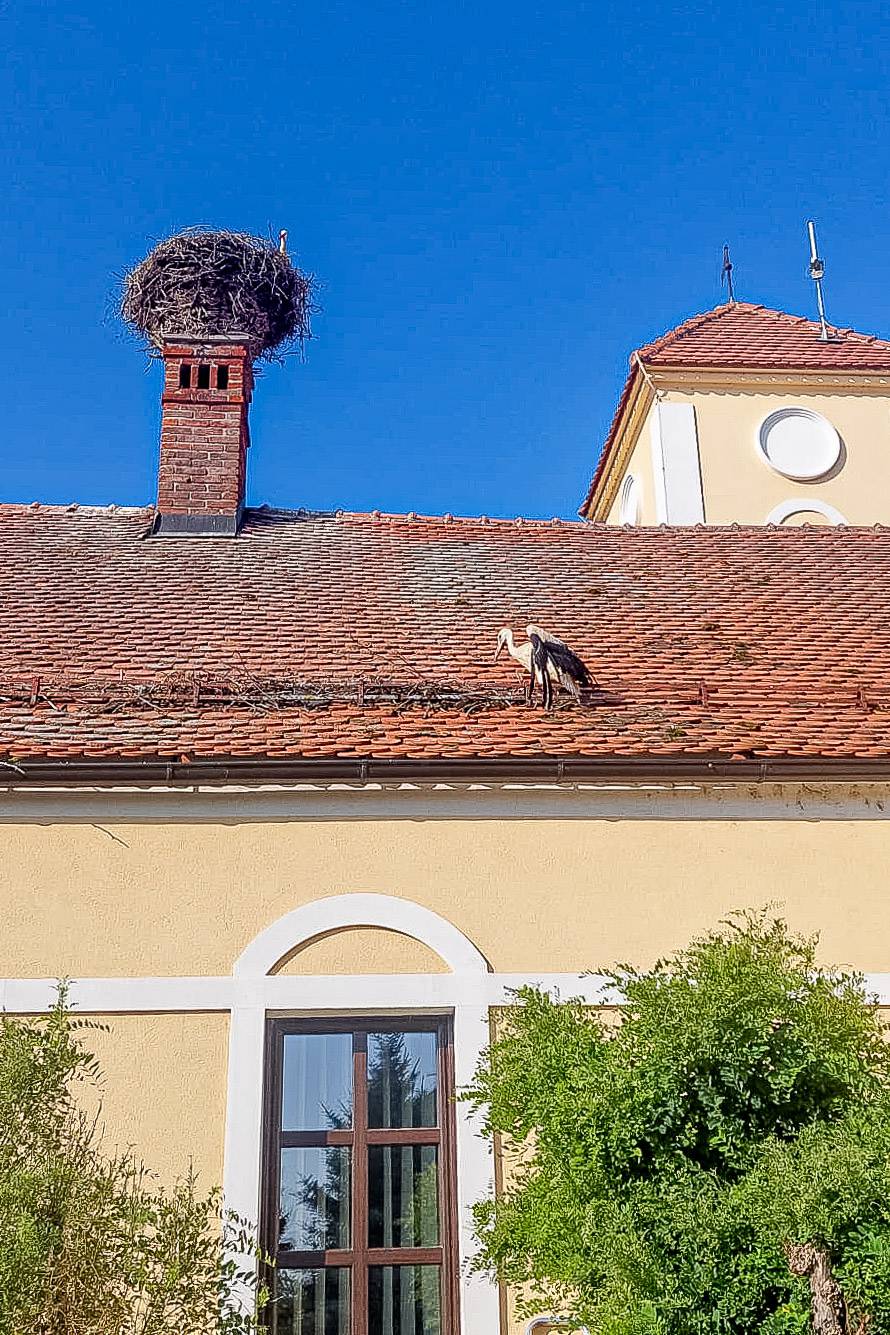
[
  {"x": 89, "y": 1243},
  {"x": 660, "y": 1166}
]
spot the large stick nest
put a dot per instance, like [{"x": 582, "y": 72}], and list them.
[{"x": 201, "y": 283}]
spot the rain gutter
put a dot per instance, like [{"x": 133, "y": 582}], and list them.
[{"x": 508, "y": 769}]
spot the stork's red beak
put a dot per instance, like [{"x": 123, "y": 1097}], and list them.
[{"x": 497, "y": 652}]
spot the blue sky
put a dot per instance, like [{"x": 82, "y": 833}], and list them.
[{"x": 500, "y": 200}]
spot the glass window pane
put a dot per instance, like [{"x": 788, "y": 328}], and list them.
[
  {"x": 403, "y": 1196},
  {"x": 404, "y": 1300},
  {"x": 316, "y": 1093},
  {"x": 314, "y": 1199},
  {"x": 311, "y": 1302},
  {"x": 402, "y": 1079}
]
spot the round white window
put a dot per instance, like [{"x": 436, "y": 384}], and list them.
[
  {"x": 799, "y": 443},
  {"x": 629, "y": 507}
]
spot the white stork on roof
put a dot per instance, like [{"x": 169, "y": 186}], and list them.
[
  {"x": 548, "y": 663},
  {"x": 554, "y": 660}
]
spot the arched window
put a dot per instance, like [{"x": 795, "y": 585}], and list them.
[{"x": 629, "y": 505}]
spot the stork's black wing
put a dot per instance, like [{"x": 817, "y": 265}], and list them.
[
  {"x": 541, "y": 661},
  {"x": 561, "y": 657},
  {"x": 539, "y": 652}
]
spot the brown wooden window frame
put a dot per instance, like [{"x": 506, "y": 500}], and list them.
[{"x": 360, "y": 1257}]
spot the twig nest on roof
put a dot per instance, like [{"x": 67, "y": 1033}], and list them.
[{"x": 200, "y": 283}]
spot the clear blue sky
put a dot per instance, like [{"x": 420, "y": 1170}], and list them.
[{"x": 501, "y": 200}]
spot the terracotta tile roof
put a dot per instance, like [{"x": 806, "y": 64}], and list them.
[
  {"x": 743, "y": 336},
  {"x": 740, "y": 336},
  {"x": 706, "y": 642}
]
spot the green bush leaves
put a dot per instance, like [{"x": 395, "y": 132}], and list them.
[
  {"x": 656, "y": 1166},
  {"x": 89, "y": 1243}
]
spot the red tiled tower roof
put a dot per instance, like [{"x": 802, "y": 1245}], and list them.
[
  {"x": 355, "y": 638},
  {"x": 740, "y": 336}
]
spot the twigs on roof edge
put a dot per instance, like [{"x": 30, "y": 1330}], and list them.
[{"x": 263, "y": 694}]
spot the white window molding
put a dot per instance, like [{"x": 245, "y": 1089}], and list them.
[
  {"x": 629, "y": 504},
  {"x": 798, "y": 443},
  {"x": 337, "y": 913},
  {"x": 676, "y": 464},
  {"x": 798, "y": 505}
]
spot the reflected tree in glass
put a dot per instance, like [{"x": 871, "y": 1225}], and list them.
[
  {"x": 403, "y": 1196},
  {"x": 402, "y": 1080},
  {"x": 404, "y": 1300},
  {"x": 312, "y": 1302},
  {"x": 316, "y": 1092},
  {"x": 315, "y": 1198}
]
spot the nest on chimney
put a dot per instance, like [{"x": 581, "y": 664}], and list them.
[{"x": 201, "y": 283}]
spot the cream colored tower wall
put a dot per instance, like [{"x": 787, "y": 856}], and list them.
[{"x": 741, "y": 487}]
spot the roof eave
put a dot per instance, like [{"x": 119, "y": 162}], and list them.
[
  {"x": 108, "y": 772},
  {"x": 633, "y": 385}
]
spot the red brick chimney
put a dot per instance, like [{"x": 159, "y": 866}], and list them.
[{"x": 204, "y": 436}]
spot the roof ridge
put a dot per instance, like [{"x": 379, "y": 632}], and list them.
[
  {"x": 303, "y": 512},
  {"x": 696, "y": 322},
  {"x": 71, "y": 507},
  {"x": 411, "y": 517}
]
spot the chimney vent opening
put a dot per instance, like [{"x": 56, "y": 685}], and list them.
[
  {"x": 185, "y": 376},
  {"x": 203, "y": 376},
  {"x": 222, "y": 377}
]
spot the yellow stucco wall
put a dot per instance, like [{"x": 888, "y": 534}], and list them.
[
  {"x": 557, "y": 895},
  {"x": 163, "y": 1092},
  {"x": 536, "y": 891},
  {"x": 363, "y": 950}
]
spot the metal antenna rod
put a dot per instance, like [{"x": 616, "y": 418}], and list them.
[
  {"x": 817, "y": 273},
  {"x": 726, "y": 274}
]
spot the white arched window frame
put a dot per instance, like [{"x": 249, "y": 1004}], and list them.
[
  {"x": 798, "y": 505},
  {"x": 629, "y": 503}
]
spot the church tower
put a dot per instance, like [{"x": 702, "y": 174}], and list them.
[{"x": 746, "y": 415}]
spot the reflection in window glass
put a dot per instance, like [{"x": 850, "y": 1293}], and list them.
[
  {"x": 404, "y": 1300},
  {"x": 311, "y": 1302},
  {"x": 315, "y": 1199},
  {"x": 403, "y": 1197},
  {"x": 317, "y": 1084},
  {"x": 402, "y": 1079}
]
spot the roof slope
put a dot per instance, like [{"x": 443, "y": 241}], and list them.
[
  {"x": 743, "y": 336},
  {"x": 732, "y": 643},
  {"x": 740, "y": 336}
]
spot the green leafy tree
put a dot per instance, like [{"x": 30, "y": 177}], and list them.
[
  {"x": 716, "y": 1161},
  {"x": 89, "y": 1243}
]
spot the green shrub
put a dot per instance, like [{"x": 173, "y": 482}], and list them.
[
  {"x": 90, "y": 1244},
  {"x": 660, "y": 1166}
]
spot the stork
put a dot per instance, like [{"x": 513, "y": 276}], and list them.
[
  {"x": 522, "y": 653},
  {"x": 554, "y": 661},
  {"x": 555, "y": 664}
]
